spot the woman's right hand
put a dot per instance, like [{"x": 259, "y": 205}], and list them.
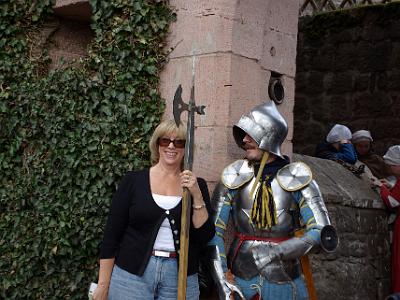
[
  {"x": 100, "y": 293},
  {"x": 386, "y": 183},
  {"x": 105, "y": 271},
  {"x": 376, "y": 182}
]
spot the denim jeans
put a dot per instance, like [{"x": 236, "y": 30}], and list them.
[
  {"x": 159, "y": 281},
  {"x": 293, "y": 290}
]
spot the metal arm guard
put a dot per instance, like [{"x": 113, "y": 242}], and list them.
[
  {"x": 225, "y": 289},
  {"x": 217, "y": 201},
  {"x": 298, "y": 177},
  {"x": 218, "y": 274},
  {"x": 328, "y": 235}
]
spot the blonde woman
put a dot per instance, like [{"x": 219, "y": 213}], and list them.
[{"x": 140, "y": 249}]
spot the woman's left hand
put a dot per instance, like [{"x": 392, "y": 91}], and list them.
[
  {"x": 189, "y": 180},
  {"x": 200, "y": 213}
]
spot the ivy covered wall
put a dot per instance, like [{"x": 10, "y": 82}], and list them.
[{"x": 67, "y": 136}]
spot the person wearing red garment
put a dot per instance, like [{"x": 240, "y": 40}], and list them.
[{"x": 390, "y": 193}]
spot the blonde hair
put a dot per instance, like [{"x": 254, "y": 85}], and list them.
[{"x": 164, "y": 128}]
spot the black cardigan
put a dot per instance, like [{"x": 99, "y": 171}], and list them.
[{"x": 134, "y": 221}]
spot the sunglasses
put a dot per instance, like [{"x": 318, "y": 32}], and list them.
[{"x": 164, "y": 142}]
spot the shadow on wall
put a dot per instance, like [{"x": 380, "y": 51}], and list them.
[
  {"x": 69, "y": 42},
  {"x": 348, "y": 72},
  {"x": 66, "y": 37}
]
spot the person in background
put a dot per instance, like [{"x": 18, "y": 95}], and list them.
[
  {"x": 390, "y": 193},
  {"x": 337, "y": 146},
  {"x": 362, "y": 141},
  {"x": 140, "y": 250}
]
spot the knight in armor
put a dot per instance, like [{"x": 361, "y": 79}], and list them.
[{"x": 269, "y": 200}]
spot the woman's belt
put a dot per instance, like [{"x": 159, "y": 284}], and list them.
[{"x": 161, "y": 253}]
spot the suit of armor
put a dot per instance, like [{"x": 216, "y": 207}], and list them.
[{"x": 265, "y": 259}]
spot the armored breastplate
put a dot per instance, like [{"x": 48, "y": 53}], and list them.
[
  {"x": 285, "y": 208},
  {"x": 292, "y": 178}
]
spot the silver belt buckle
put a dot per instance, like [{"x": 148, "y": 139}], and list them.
[{"x": 161, "y": 253}]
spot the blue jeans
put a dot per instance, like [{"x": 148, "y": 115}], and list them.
[
  {"x": 159, "y": 281},
  {"x": 292, "y": 290}
]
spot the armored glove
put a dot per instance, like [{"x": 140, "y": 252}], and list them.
[
  {"x": 225, "y": 288},
  {"x": 264, "y": 254}
]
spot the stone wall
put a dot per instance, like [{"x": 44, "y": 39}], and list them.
[
  {"x": 348, "y": 72},
  {"x": 360, "y": 267}
]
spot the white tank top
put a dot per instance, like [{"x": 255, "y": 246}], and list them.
[{"x": 165, "y": 240}]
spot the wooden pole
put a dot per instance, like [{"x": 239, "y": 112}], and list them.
[
  {"x": 186, "y": 201},
  {"x": 191, "y": 108},
  {"x": 184, "y": 244},
  {"x": 305, "y": 265}
]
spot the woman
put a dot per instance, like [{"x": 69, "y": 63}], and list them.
[
  {"x": 337, "y": 146},
  {"x": 390, "y": 193},
  {"x": 362, "y": 141},
  {"x": 139, "y": 254}
]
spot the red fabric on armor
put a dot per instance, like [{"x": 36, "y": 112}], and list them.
[
  {"x": 256, "y": 297},
  {"x": 245, "y": 237}
]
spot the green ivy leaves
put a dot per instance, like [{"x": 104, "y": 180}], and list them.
[{"x": 68, "y": 136}]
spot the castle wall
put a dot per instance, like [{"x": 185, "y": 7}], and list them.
[
  {"x": 348, "y": 72},
  {"x": 360, "y": 267}
]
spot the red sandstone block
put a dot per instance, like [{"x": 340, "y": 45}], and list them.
[
  {"x": 192, "y": 34},
  {"x": 224, "y": 8},
  {"x": 279, "y": 52},
  {"x": 249, "y": 86},
  {"x": 212, "y": 85},
  {"x": 73, "y": 9},
  {"x": 211, "y": 152}
]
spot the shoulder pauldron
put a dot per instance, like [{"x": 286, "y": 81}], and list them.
[
  {"x": 237, "y": 174},
  {"x": 294, "y": 176}
]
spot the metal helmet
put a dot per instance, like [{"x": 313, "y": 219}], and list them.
[{"x": 265, "y": 125}]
